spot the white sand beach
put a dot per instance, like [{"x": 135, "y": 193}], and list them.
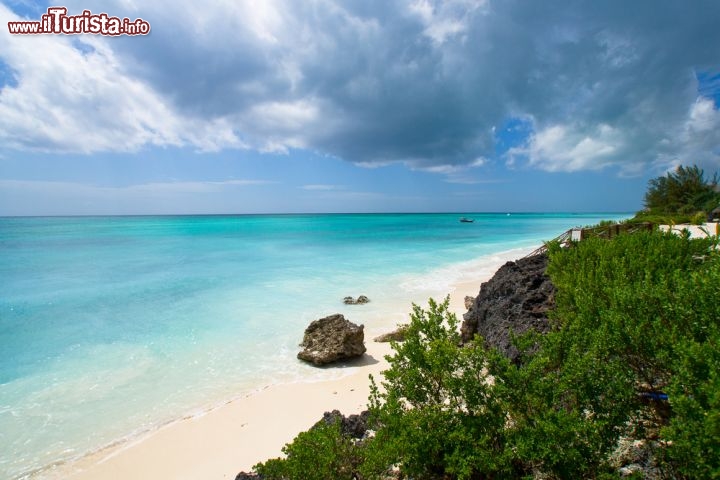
[{"x": 233, "y": 437}]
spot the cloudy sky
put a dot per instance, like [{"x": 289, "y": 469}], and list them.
[{"x": 250, "y": 106}]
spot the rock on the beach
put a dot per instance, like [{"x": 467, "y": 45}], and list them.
[
  {"x": 360, "y": 300},
  {"x": 516, "y": 299},
  {"x": 352, "y": 426},
  {"x": 331, "y": 339},
  {"x": 248, "y": 476},
  {"x": 469, "y": 302},
  {"x": 397, "y": 335}
]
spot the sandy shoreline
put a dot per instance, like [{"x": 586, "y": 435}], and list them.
[{"x": 240, "y": 433}]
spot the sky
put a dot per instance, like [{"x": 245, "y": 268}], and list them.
[{"x": 288, "y": 106}]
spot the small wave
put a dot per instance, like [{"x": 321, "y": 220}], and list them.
[{"x": 444, "y": 280}]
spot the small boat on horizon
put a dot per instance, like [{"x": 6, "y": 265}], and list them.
[{"x": 466, "y": 220}]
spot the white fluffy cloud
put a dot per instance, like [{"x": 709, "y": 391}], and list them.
[
  {"x": 699, "y": 139},
  {"x": 424, "y": 82},
  {"x": 73, "y": 94},
  {"x": 564, "y": 148}
]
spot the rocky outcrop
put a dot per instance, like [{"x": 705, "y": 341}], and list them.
[
  {"x": 352, "y": 426},
  {"x": 515, "y": 300},
  {"x": 362, "y": 299},
  {"x": 248, "y": 476},
  {"x": 633, "y": 458},
  {"x": 331, "y": 339},
  {"x": 397, "y": 335},
  {"x": 469, "y": 301}
]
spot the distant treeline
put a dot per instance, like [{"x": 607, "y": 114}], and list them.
[{"x": 685, "y": 195}]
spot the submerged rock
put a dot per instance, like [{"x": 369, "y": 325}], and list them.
[
  {"x": 360, "y": 300},
  {"x": 515, "y": 300},
  {"x": 331, "y": 339}
]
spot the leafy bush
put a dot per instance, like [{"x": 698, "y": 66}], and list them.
[
  {"x": 662, "y": 218},
  {"x": 321, "y": 453},
  {"x": 636, "y": 318},
  {"x": 437, "y": 413},
  {"x": 693, "y": 433},
  {"x": 699, "y": 218},
  {"x": 638, "y": 312}
]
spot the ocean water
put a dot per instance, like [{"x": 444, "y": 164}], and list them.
[{"x": 113, "y": 326}]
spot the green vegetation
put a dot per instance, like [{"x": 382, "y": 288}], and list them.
[
  {"x": 321, "y": 453},
  {"x": 633, "y": 314},
  {"x": 438, "y": 413},
  {"x": 636, "y": 318},
  {"x": 682, "y": 196},
  {"x": 633, "y": 358}
]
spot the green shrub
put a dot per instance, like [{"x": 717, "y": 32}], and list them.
[
  {"x": 639, "y": 315},
  {"x": 699, "y": 218},
  {"x": 635, "y": 315},
  {"x": 693, "y": 433},
  {"x": 436, "y": 413},
  {"x": 662, "y": 218},
  {"x": 321, "y": 453},
  {"x": 684, "y": 190}
]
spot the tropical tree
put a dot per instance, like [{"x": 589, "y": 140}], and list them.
[{"x": 685, "y": 191}]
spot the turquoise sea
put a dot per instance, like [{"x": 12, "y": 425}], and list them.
[{"x": 113, "y": 326}]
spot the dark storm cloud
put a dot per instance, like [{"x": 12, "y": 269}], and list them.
[{"x": 429, "y": 83}]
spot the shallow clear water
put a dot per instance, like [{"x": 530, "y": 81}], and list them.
[{"x": 110, "y": 326}]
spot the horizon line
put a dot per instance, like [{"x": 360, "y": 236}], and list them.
[{"x": 459, "y": 212}]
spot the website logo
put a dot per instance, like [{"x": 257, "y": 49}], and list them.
[{"x": 57, "y": 22}]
